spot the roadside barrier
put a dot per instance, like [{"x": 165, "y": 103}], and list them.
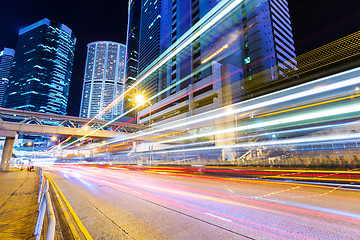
[
  {"x": 65, "y": 207},
  {"x": 45, "y": 204}
]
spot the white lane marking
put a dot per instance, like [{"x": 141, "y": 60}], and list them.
[
  {"x": 137, "y": 192},
  {"x": 230, "y": 190},
  {"x": 212, "y": 215},
  {"x": 273, "y": 200}
]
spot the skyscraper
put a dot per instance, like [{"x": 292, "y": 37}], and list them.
[
  {"x": 154, "y": 40},
  {"x": 253, "y": 36},
  {"x": 6, "y": 60},
  {"x": 267, "y": 42},
  {"x": 40, "y": 78},
  {"x": 104, "y": 79},
  {"x": 163, "y": 22},
  {"x": 132, "y": 47}
]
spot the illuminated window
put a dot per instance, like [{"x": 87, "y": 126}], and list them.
[{"x": 247, "y": 60}]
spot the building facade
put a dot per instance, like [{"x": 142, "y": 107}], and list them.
[
  {"x": 6, "y": 61},
  {"x": 229, "y": 62},
  {"x": 40, "y": 78},
  {"x": 154, "y": 40},
  {"x": 132, "y": 49},
  {"x": 104, "y": 79},
  {"x": 267, "y": 43}
]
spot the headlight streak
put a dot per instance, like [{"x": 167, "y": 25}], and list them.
[
  {"x": 219, "y": 12},
  {"x": 249, "y": 136},
  {"x": 221, "y": 112},
  {"x": 318, "y": 90},
  {"x": 215, "y": 15},
  {"x": 155, "y": 194},
  {"x": 326, "y": 138},
  {"x": 215, "y": 113},
  {"x": 285, "y": 120},
  {"x": 134, "y": 108},
  {"x": 114, "y": 120},
  {"x": 260, "y": 114},
  {"x": 267, "y": 134},
  {"x": 178, "y": 196}
]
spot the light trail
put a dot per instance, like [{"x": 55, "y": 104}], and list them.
[
  {"x": 212, "y": 17},
  {"x": 351, "y": 108},
  {"x": 240, "y": 108},
  {"x": 148, "y": 100},
  {"x": 235, "y": 111},
  {"x": 269, "y": 113},
  {"x": 197, "y": 197},
  {"x": 325, "y": 139},
  {"x": 222, "y": 6},
  {"x": 321, "y": 114}
]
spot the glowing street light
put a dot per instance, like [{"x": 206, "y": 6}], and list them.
[
  {"x": 139, "y": 99},
  {"x": 53, "y": 138}
]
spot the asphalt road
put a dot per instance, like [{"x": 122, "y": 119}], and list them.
[{"x": 115, "y": 203}]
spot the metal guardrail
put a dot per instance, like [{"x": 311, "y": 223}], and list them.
[{"x": 45, "y": 204}]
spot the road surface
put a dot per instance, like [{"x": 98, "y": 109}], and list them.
[{"x": 115, "y": 203}]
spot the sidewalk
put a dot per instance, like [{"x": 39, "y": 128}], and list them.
[{"x": 18, "y": 204}]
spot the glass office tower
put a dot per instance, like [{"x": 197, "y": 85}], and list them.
[
  {"x": 132, "y": 49},
  {"x": 104, "y": 79},
  {"x": 229, "y": 62},
  {"x": 40, "y": 78},
  {"x": 6, "y": 60}
]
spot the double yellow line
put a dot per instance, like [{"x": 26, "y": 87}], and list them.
[{"x": 61, "y": 199}]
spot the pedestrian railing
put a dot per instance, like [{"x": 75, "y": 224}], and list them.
[{"x": 44, "y": 201}]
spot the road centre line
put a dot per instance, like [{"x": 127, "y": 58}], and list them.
[{"x": 215, "y": 216}]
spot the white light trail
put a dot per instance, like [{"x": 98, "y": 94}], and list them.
[
  {"x": 221, "y": 112},
  {"x": 285, "y": 120},
  {"x": 243, "y": 138},
  {"x": 318, "y": 86},
  {"x": 302, "y": 140},
  {"x": 215, "y": 15}
]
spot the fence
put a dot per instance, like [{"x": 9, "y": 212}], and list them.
[{"x": 44, "y": 201}]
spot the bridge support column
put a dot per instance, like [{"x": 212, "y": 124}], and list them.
[{"x": 7, "y": 153}]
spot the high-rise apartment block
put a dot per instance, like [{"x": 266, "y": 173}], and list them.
[
  {"x": 6, "y": 61},
  {"x": 104, "y": 79},
  {"x": 248, "y": 46},
  {"x": 40, "y": 78}
]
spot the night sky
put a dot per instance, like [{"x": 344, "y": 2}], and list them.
[{"x": 314, "y": 23}]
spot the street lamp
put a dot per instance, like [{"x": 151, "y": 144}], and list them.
[
  {"x": 53, "y": 139},
  {"x": 140, "y": 100},
  {"x": 31, "y": 144}
]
